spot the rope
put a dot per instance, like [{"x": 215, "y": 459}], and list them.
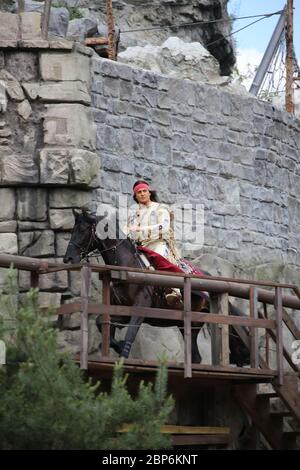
[{"x": 179, "y": 25}]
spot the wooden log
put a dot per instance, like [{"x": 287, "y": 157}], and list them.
[
  {"x": 23, "y": 262},
  {"x": 216, "y": 286}
]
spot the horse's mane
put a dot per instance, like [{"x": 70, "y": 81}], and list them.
[{"x": 128, "y": 242}]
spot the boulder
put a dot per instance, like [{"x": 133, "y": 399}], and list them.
[
  {"x": 81, "y": 28},
  {"x": 181, "y": 60}
]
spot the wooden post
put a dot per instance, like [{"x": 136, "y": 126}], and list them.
[
  {"x": 46, "y": 17},
  {"x": 187, "y": 328},
  {"x": 253, "y": 331},
  {"x": 111, "y": 31},
  {"x": 86, "y": 275},
  {"x": 106, "y": 316},
  {"x": 289, "y": 90},
  {"x": 279, "y": 348},
  {"x": 267, "y": 338},
  {"x": 215, "y": 307},
  {"x": 224, "y": 310},
  {"x": 21, "y": 6}
]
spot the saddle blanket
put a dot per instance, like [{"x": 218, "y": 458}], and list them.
[{"x": 162, "y": 264}]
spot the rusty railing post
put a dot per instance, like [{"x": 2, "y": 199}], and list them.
[{"x": 111, "y": 31}]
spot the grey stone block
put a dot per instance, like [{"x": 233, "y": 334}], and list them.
[
  {"x": 37, "y": 244},
  {"x": 8, "y": 204},
  {"x": 9, "y": 243},
  {"x": 111, "y": 87},
  {"x": 69, "y": 125},
  {"x": 68, "y": 198},
  {"x": 32, "y": 204},
  {"x": 73, "y": 92}
]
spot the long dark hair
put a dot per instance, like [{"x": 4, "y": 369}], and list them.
[{"x": 153, "y": 194}]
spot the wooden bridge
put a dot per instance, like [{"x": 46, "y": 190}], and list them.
[{"x": 243, "y": 382}]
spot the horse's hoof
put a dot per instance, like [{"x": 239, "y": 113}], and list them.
[
  {"x": 118, "y": 347},
  {"x": 126, "y": 349}
]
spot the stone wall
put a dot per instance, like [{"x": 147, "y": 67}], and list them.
[
  {"x": 48, "y": 163},
  {"x": 199, "y": 144},
  {"x": 77, "y": 130}
]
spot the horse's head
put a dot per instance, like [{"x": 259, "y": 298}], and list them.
[{"x": 83, "y": 237}]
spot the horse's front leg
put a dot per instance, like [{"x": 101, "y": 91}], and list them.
[
  {"x": 142, "y": 299},
  {"x": 133, "y": 328}
]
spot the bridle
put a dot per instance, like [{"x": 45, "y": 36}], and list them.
[{"x": 86, "y": 253}]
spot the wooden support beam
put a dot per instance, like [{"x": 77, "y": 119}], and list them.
[
  {"x": 105, "y": 317},
  {"x": 86, "y": 275},
  {"x": 187, "y": 328},
  {"x": 46, "y": 18},
  {"x": 279, "y": 337},
  {"x": 267, "y": 338},
  {"x": 254, "y": 362},
  {"x": 225, "y": 356}
]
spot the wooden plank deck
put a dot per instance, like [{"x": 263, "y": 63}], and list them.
[{"x": 97, "y": 368}]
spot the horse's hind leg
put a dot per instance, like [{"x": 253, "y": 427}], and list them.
[{"x": 116, "y": 345}]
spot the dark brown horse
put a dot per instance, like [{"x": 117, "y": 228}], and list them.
[{"x": 123, "y": 252}]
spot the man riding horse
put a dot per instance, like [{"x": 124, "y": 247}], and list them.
[{"x": 123, "y": 251}]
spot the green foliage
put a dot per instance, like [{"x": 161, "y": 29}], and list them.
[
  {"x": 47, "y": 404},
  {"x": 74, "y": 12}
]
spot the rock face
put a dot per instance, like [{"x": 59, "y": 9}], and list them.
[{"x": 133, "y": 15}]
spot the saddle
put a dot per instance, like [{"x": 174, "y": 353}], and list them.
[{"x": 155, "y": 261}]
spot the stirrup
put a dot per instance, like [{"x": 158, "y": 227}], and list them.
[{"x": 173, "y": 299}]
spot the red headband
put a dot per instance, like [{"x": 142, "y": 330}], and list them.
[{"x": 140, "y": 186}]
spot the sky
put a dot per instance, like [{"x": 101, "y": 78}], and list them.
[{"x": 252, "y": 42}]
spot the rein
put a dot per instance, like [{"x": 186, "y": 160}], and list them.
[{"x": 85, "y": 254}]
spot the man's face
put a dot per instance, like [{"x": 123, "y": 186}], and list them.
[{"x": 143, "y": 196}]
